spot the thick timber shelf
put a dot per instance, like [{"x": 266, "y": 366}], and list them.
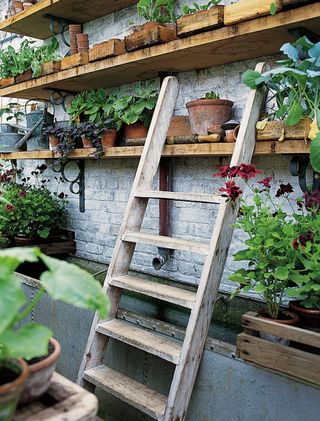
[
  {"x": 288, "y": 147},
  {"x": 251, "y": 39},
  {"x": 33, "y": 23}
]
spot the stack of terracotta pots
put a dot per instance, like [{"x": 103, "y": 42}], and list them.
[{"x": 74, "y": 30}]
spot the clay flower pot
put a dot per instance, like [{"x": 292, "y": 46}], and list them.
[
  {"x": 18, "y": 6},
  {"x": 82, "y": 42},
  {"x": 135, "y": 131},
  {"x": 13, "y": 375},
  {"x": 309, "y": 317},
  {"x": 74, "y": 29},
  {"x": 109, "y": 138},
  {"x": 86, "y": 143},
  {"x": 205, "y": 113},
  {"x": 54, "y": 143},
  {"x": 286, "y": 318},
  {"x": 40, "y": 374}
]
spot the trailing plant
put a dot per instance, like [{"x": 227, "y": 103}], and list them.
[
  {"x": 139, "y": 106},
  {"x": 28, "y": 56},
  {"x": 197, "y": 8},
  {"x": 61, "y": 280},
  {"x": 162, "y": 11},
  {"x": 12, "y": 110},
  {"x": 212, "y": 95},
  {"x": 295, "y": 88},
  {"x": 91, "y": 131}
]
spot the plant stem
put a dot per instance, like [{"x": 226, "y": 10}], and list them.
[{"x": 29, "y": 307}]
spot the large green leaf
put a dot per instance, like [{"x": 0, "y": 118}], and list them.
[
  {"x": 295, "y": 114},
  {"x": 11, "y": 299},
  {"x": 28, "y": 342},
  {"x": 290, "y": 51},
  {"x": 249, "y": 78},
  {"x": 315, "y": 153},
  {"x": 67, "y": 282}
]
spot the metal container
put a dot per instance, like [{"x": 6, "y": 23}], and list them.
[
  {"x": 38, "y": 141},
  {"x": 6, "y": 128},
  {"x": 8, "y": 142}
]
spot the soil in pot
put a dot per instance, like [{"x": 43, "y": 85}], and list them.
[
  {"x": 284, "y": 317},
  {"x": 309, "y": 317},
  {"x": 41, "y": 371},
  {"x": 13, "y": 375},
  {"x": 205, "y": 113},
  {"x": 109, "y": 138},
  {"x": 135, "y": 131}
]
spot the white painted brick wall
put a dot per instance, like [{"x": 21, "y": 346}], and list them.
[{"x": 108, "y": 182}]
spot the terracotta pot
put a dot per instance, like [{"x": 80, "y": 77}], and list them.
[
  {"x": 135, "y": 131},
  {"x": 86, "y": 143},
  {"x": 82, "y": 42},
  {"x": 40, "y": 375},
  {"x": 109, "y": 138},
  {"x": 10, "y": 391},
  {"x": 23, "y": 77},
  {"x": 309, "y": 317},
  {"x": 74, "y": 29},
  {"x": 290, "y": 319},
  {"x": 205, "y": 113},
  {"x": 24, "y": 241},
  {"x": 18, "y": 6},
  {"x": 27, "y": 5},
  {"x": 54, "y": 143},
  {"x": 231, "y": 135}
]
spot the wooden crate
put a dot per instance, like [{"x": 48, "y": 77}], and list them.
[
  {"x": 299, "y": 360},
  {"x": 23, "y": 77},
  {"x": 64, "y": 400},
  {"x": 6, "y": 82},
  {"x": 148, "y": 34},
  {"x": 110, "y": 48},
  {"x": 51, "y": 67},
  {"x": 201, "y": 21},
  {"x": 275, "y": 130},
  {"x": 248, "y": 9},
  {"x": 75, "y": 60}
]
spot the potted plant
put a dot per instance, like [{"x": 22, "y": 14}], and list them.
[
  {"x": 207, "y": 112},
  {"x": 54, "y": 135},
  {"x": 90, "y": 134},
  {"x": 78, "y": 107},
  {"x": 29, "y": 213},
  {"x": 136, "y": 110},
  {"x": 269, "y": 233},
  {"x": 12, "y": 110},
  {"x": 295, "y": 91},
  {"x": 159, "y": 28},
  {"x": 62, "y": 281}
]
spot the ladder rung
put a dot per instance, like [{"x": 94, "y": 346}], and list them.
[
  {"x": 166, "y": 242},
  {"x": 183, "y": 197},
  {"x": 179, "y": 296},
  {"x": 143, "y": 339},
  {"x": 128, "y": 390}
]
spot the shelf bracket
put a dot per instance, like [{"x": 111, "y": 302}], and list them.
[
  {"x": 59, "y": 96},
  {"x": 77, "y": 184},
  {"x": 298, "y": 168},
  {"x": 58, "y": 26}
]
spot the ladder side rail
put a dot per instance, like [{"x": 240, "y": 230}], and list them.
[{"x": 200, "y": 317}]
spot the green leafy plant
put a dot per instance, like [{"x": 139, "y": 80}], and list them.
[
  {"x": 30, "y": 211},
  {"x": 162, "y": 11},
  {"x": 139, "y": 106},
  {"x": 197, "y": 8},
  {"x": 212, "y": 95},
  {"x": 78, "y": 107},
  {"x": 295, "y": 88},
  {"x": 62, "y": 281},
  {"x": 92, "y": 131},
  {"x": 12, "y": 110},
  {"x": 28, "y": 56}
]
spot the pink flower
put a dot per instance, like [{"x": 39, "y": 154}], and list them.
[{"x": 9, "y": 208}]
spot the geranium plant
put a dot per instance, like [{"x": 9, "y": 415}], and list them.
[{"x": 278, "y": 243}]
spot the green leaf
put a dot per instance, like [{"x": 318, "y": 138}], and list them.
[
  {"x": 290, "y": 51},
  {"x": 67, "y": 282},
  {"x": 315, "y": 153},
  {"x": 12, "y": 297},
  {"x": 295, "y": 114},
  {"x": 249, "y": 78},
  {"x": 281, "y": 273},
  {"x": 28, "y": 342}
]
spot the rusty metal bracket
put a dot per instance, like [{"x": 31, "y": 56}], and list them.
[{"x": 58, "y": 26}]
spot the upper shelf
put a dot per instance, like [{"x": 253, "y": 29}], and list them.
[
  {"x": 33, "y": 23},
  {"x": 251, "y": 39},
  {"x": 288, "y": 147}
]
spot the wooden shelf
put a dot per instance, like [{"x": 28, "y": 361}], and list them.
[
  {"x": 33, "y": 23},
  {"x": 246, "y": 40},
  {"x": 290, "y": 147}
]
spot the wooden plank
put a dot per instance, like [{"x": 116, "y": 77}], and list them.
[
  {"x": 296, "y": 334},
  {"x": 6, "y": 82},
  {"x": 74, "y": 60},
  {"x": 51, "y": 67},
  {"x": 110, "y": 48},
  {"x": 225, "y": 45},
  {"x": 203, "y": 20},
  {"x": 184, "y": 197},
  {"x": 166, "y": 242},
  {"x": 275, "y": 130},
  {"x": 137, "y": 337},
  {"x": 282, "y": 358},
  {"x": 128, "y": 390},
  {"x": 31, "y": 22},
  {"x": 168, "y": 293},
  {"x": 148, "y": 34},
  {"x": 248, "y": 9}
]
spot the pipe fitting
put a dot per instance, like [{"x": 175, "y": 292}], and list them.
[{"x": 161, "y": 258}]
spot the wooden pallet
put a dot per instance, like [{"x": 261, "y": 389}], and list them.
[
  {"x": 301, "y": 359},
  {"x": 64, "y": 401}
]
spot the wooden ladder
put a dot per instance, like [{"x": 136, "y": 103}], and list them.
[{"x": 93, "y": 373}]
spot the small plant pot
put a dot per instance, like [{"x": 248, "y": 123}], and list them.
[
  {"x": 231, "y": 136},
  {"x": 205, "y": 113},
  {"x": 40, "y": 374},
  {"x": 74, "y": 29},
  {"x": 54, "y": 143},
  {"x": 309, "y": 317},
  {"x": 288, "y": 318},
  {"x": 109, "y": 138},
  {"x": 135, "y": 131},
  {"x": 16, "y": 372},
  {"x": 24, "y": 241},
  {"x": 86, "y": 143},
  {"x": 18, "y": 6},
  {"x": 82, "y": 42}
]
